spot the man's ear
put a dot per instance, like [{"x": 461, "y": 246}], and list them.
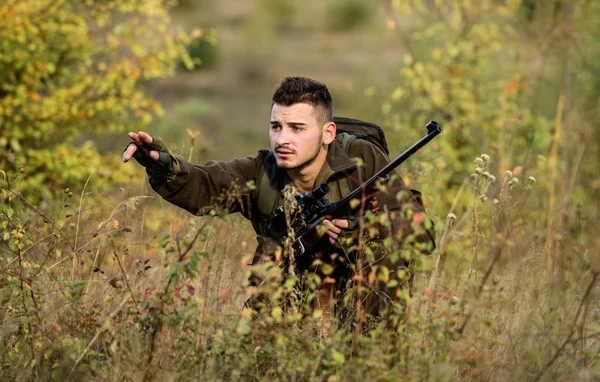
[{"x": 329, "y": 131}]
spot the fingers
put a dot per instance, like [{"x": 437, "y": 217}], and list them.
[
  {"x": 342, "y": 223},
  {"x": 373, "y": 205},
  {"x": 129, "y": 153},
  {"x": 139, "y": 138},
  {"x": 334, "y": 228},
  {"x": 147, "y": 139},
  {"x": 135, "y": 138}
]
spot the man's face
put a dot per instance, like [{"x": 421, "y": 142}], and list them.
[{"x": 296, "y": 135}]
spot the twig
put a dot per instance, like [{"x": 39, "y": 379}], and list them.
[
  {"x": 360, "y": 276},
  {"x": 92, "y": 269},
  {"x": 41, "y": 214},
  {"x": 78, "y": 219},
  {"x": 158, "y": 325},
  {"x": 124, "y": 276},
  {"x": 481, "y": 286},
  {"x": 98, "y": 332},
  {"x": 448, "y": 226},
  {"x": 564, "y": 344}
]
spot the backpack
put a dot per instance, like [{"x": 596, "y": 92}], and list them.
[{"x": 348, "y": 130}]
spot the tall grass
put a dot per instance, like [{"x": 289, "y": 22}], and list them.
[{"x": 107, "y": 287}]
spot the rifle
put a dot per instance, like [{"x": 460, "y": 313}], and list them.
[{"x": 314, "y": 207}]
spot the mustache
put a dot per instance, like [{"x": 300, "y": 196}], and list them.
[{"x": 284, "y": 148}]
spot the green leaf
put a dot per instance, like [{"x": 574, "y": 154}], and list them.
[
  {"x": 164, "y": 239},
  {"x": 277, "y": 314},
  {"x": 337, "y": 357},
  {"x": 327, "y": 269},
  {"x": 354, "y": 203}
]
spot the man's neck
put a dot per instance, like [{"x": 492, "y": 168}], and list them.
[{"x": 304, "y": 178}]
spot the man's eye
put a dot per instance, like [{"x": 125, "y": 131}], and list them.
[
  {"x": 296, "y": 128},
  {"x": 275, "y": 127}
]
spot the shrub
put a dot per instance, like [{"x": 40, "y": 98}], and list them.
[{"x": 72, "y": 67}]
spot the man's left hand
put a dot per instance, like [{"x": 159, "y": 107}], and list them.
[{"x": 334, "y": 228}]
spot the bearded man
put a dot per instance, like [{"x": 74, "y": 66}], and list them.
[{"x": 306, "y": 151}]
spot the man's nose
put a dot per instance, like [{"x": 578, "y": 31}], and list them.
[{"x": 283, "y": 136}]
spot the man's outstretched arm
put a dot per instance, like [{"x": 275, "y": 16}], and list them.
[{"x": 188, "y": 186}]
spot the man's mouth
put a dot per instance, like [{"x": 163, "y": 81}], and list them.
[{"x": 283, "y": 153}]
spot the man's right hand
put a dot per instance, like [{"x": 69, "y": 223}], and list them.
[{"x": 150, "y": 152}]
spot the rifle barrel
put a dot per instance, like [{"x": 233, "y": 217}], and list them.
[{"x": 433, "y": 129}]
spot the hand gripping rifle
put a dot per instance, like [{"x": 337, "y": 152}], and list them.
[{"x": 314, "y": 208}]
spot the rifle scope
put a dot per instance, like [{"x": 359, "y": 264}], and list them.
[{"x": 320, "y": 191}]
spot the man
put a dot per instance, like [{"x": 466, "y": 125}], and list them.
[{"x": 304, "y": 153}]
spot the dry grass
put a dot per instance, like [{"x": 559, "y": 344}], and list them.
[{"x": 127, "y": 302}]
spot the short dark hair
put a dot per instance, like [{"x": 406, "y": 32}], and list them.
[{"x": 302, "y": 89}]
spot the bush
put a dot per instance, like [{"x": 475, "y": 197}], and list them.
[
  {"x": 75, "y": 67},
  {"x": 348, "y": 15},
  {"x": 203, "y": 50}
]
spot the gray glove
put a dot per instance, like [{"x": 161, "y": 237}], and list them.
[{"x": 161, "y": 167}]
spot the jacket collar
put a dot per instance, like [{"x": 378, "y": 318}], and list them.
[{"x": 337, "y": 163}]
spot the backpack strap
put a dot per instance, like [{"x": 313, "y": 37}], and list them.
[
  {"x": 347, "y": 139},
  {"x": 268, "y": 195}
]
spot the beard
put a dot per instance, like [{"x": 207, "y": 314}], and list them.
[{"x": 307, "y": 162}]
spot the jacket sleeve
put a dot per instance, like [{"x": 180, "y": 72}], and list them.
[{"x": 220, "y": 186}]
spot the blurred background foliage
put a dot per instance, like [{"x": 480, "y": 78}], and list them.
[
  {"x": 73, "y": 68},
  {"x": 516, "y": 80}
]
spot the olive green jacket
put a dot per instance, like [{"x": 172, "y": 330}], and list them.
[{"x": 227, "y": 186}]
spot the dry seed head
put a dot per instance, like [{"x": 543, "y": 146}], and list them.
[
  {"x": 496, "y": 201},
  {"x": 451, "y": 217},
  {"x": 483, "y": 198},
  {"x": 486, "y": 174},
  {"x": 474, "y": 177},
  {"x": 485, "y": 157},
  {"x": 508, "y": 174},
  {"x": 532, "y": 180},
  {"x": 515, "y": 180},
  {"x": 478, "y": 161},
  {"x": 479, "y": 170}
]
